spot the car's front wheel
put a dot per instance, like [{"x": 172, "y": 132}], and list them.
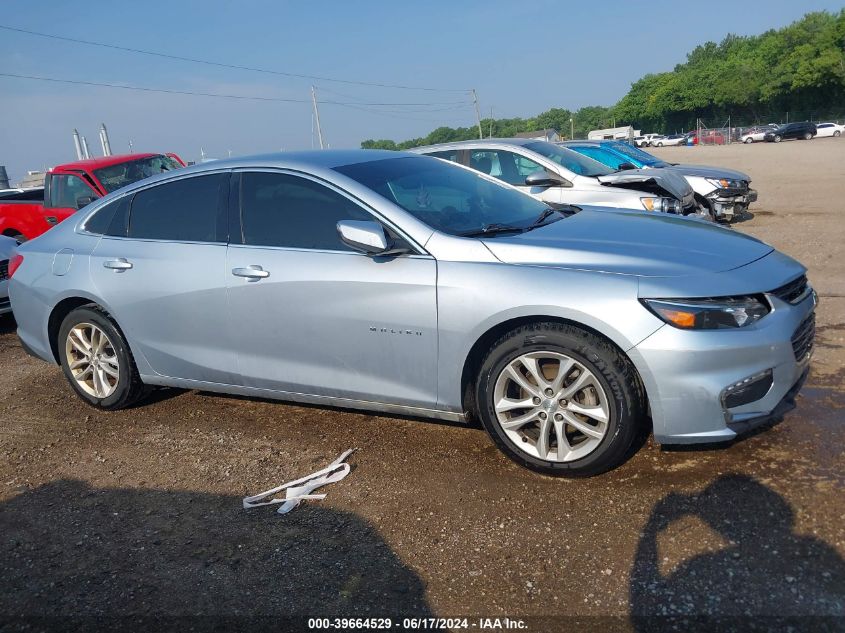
[
  {"x": 748, "y": 140},
  {"x": 559, "y": 400},
  {"x": 807, "y": 136},
  {"x": 96, "y": 360},
  {"x": 778, "y": 138},
  {"x": 837, "y": 133}
]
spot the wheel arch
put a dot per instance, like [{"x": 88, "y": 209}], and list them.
[{"x": 475, "y": 357}]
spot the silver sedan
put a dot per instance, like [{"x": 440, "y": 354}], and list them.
[
  {"x": 7, "y": 244},
  {"x": 404, "y": 284}
]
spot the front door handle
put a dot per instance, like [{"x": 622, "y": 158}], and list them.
[
  {"x": 118, "y": 265},
  {"x": 251, "y": 272}
]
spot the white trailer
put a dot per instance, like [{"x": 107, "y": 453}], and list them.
[{"x": 613, "y": 133}]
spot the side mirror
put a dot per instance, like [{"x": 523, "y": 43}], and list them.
[
  {"x": 363, "y": 235},
  {"x": 84, "y": 200},
  {"x": 544, "y": 178},
  {"x": 624, "y": 166}
]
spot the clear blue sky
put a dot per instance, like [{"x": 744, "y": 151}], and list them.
[{"x": 522, "y": 57}]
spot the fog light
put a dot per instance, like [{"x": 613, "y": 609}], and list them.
[{"x": 747, "y": 390}]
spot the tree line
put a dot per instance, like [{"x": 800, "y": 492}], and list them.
[{"x": 799, "y": 68}]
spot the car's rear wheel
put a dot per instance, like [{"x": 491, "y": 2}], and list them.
[
  {"x": 749, "y": 140},
  {"x": 96, "y": 360},
  {"x": 660, "y": 145},
  {"x": 837, "y": 133},
  {"x": 778, "y": 138},
  {"x": 559, "y": 400}
]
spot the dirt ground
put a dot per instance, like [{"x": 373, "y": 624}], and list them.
[{"x": 138, "y": 513}]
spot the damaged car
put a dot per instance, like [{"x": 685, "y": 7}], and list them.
[
  {"x": 722, "y": 194},
  {"x": 558, "y": 175}
]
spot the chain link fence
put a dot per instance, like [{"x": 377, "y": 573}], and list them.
[{"x": 734, "y": 130}]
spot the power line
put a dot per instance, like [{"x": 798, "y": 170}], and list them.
[
  {"x": 224, "y": 65},
  {"x": 215, "y": 94}
]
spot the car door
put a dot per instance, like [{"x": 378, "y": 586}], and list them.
[
  {"x": 66, "y": 193},
  {"x": 160, "y": 270},
  {"x": 311, "y": 315}
]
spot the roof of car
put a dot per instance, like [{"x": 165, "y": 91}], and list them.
[
  {"x": 521, "y": 142},
  {"x": 103, "y": 161}
]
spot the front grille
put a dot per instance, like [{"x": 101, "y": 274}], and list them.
[
  {"x": 4, "y": 269},
  {"x": 793, "y": 291},
  {"x": 802, "y": 339}
]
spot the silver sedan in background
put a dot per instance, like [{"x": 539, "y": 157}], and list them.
[
  {"x": 400, "y": 283},
  {"x": 7, "y": 244}
]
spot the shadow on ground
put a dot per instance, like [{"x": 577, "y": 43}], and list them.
[
  {"x": 74, "y": 550},
  {"x": 764, "y": 569}
]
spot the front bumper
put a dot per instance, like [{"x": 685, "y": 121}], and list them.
[
  {"x": 686, "y": 374},
  {"x": 729, "y": 203}
]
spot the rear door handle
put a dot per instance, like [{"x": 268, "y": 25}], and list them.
[
  {"x": 118, "y": 265},
  {"x": 251, "y": 272}
]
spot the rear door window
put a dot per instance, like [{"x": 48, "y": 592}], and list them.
[
  {"x": 111, "y": 219},
  {"x": 185, "y": 210}
]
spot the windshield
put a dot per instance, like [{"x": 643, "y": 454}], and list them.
[
  {"x": 445, "y": 196},
  {"x": 566, "y": 158},
  {"x": 116, "y": 176},
  {"x": 637, "y": 154}
]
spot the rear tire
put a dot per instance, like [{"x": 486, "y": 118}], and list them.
[
  {"x": 575, "y": 371},
  {"x": 96, "y": 360},
  {"x": 748, "y": 141},
  {"x": 778, "y": 139},
  {"x": 837, "y": 133}
]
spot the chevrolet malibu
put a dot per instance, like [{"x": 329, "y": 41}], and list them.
[{"x": 404, "y": 284}]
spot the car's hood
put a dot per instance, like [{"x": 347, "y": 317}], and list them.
[
  {"x": 705, "y": 171},
  {"x": 674, "y": 184},
  {"x": 6, "y": 246},
  {"x": 630, "y": 243}
]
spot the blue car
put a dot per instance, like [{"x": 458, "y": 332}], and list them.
[{"x": 721, "y": 194}]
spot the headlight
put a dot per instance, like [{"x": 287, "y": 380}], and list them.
[
  {"x": 725, "y": 183},
  {"x": 650, "y": 204},
  {"x": 664, "y": 205},
  {"x": 709, "y": 314}
]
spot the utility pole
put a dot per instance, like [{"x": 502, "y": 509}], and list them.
[
  {"x": 491, "y": 123},
  {"x": 477, "y": 113},
  {"x": 317, "y": 116},
  {"x": 571, "y": 129}
]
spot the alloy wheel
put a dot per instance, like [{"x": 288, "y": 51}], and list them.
[
  {"x": 551, "y": 406},
  {"x": 92, "y": 360}
]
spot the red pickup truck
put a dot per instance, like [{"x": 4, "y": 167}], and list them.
[{"x": 67, "y": 188}]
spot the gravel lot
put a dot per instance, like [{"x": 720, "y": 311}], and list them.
[{"x": 139, "y": 512}]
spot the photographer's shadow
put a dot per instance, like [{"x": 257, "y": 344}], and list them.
[
  {"x": 71, "y": 550},
  {"x": 764, "y": 569}
]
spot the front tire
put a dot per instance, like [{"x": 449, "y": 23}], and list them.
[
  {"x": 749, "y": 140},
  {"x": 778, "y": 139},
  {"x": 96, "y": 360},
  {"x": 837, "y": 133},
  {"x": 808, "y": 136},
  {"x": 559, "y": 400}
]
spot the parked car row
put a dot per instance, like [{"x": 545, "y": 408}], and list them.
[
  {"x": 559, "y": 176},
  {"x": 403, "y": 283},
  {"x": 720, "y": 194}
]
